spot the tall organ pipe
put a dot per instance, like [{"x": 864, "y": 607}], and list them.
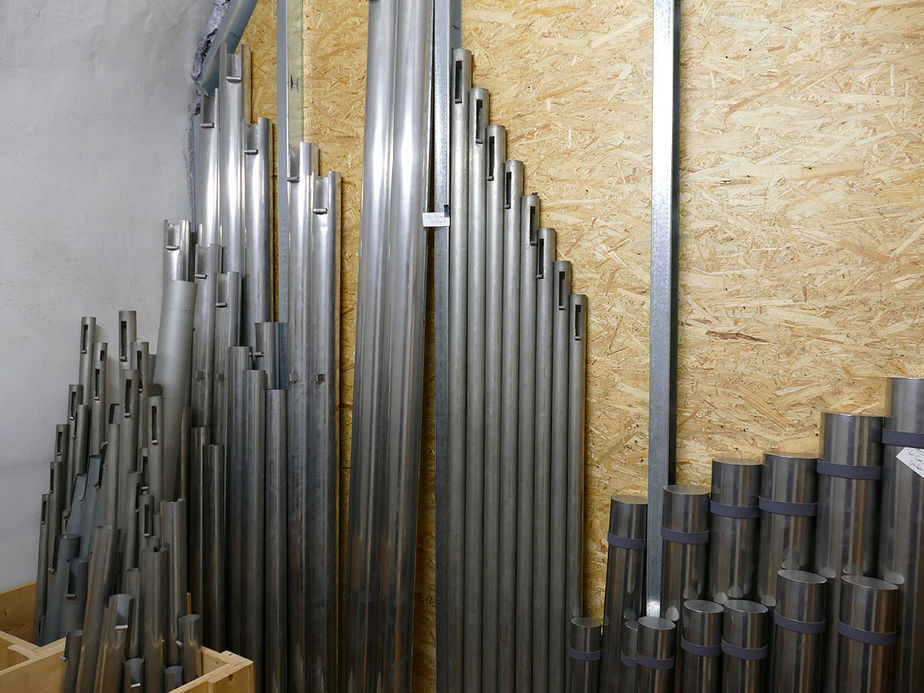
[
  {"x": 208, "y": 265},
  {"x": 735, "y": 518},
  {"x": 798, "y": 625},
  {"x": 868, "y": 625},
  {"x": 252, "y": 515},
  {"x": 389, "y": 356},
  {"x": 684, "y": 533},
  {"x": 207, "y": 174},
  {"x": 257, "y": 167},
  {"x": 233, "y": 108},
  {"x": 275, "y": 640},
  {"x": 700, "y": 657},
  {"x": 577, "y": 363}
]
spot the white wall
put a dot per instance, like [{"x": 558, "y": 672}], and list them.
[{"x": 93, "y": 135}]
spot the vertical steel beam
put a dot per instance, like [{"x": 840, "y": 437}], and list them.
[{"x": 662, "y": 362}]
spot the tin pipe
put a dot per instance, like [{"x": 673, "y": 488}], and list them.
[
  {"x": 239, "y": 362},
  {"x": 74, "y": 395},
  {"x": 75, "y": 595},
  {"x": 208, "y": 266},
  {"x": 113, "y": 643},
  {"x": 67, "y": 547},
  {"x": 110, "y": 453},
  {"x": 559, "y": 617},
  {"x": 475, "y": 386},
  {"x": 526, "y": 441},
  {"x": 275, "y": 636},
  {"x": 624, "y": 597},
  {"x": 846, "y": 532},
  {"x": 132, "y": 531},
  {"x": 195, "y": 507},
  {"x": 56, "y": 500},
  {"x": 128, "y": 437},
  {"x": 628, "y": 668},
  {"x": 98, "y": 410},
  {"x": 227, "y": 334},
  {"x": 191, "y": 637},
  {"x": 173, "y": 533},
  {"x": 699, "y": 661},
  {"x": 655, "y": 655},
  {"x": 787, "y": 519},
  {"x": 799, "y": 625},
  {"x": 206, "y": 136},
  {"x": 80, "y": 440},
  {"x": 173, "y": 677},
  {"x": 577, "y": 360},
  {"x": 172, "y": 370},
  {"x": 451, "y": 575},
  {"x": 85, "y": 366},
  {"x": 140, "y": 362},
  {"x": 131, "y": 584},
  {"x": 154, "y": 587},
  {"x": 301, "y": 198},
  {"x": 258, "y": 207},
  {"x": 270, "y": 353},
  {"x": 103, "y": 570},
  {"x": 744, "y": 643},
  {"x": 323, "y": 375},
  {"x": 902, "y": 530},
  {"x": 496, "y": 152},
  {"x": 385, "y": 461},
  {"x": 154, "y": 478},
  {"x": 128, "y": 333},
  {"x": 683, "y": 540},
  {"x": 177, "y": 251},
  {"x": 71, "y": 657},
  {"x": 735, "y": 520},
  {"x": 41, "y": 579},
  {"x": 868, "y": 626},
  {"x": 233, "y": 86},
  {"x": 213, "y": 531},
  {"x": 510, "y": 340},
  {"x": 133, "y": 675},
  {"x": 583, "y": 655},
  {"x": 252, "y": 513}
]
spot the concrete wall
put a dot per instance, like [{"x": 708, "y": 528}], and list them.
[{"x": 93, "y": 133}]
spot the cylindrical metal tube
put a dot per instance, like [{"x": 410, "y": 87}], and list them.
[
  {"x": 75, "y": 596},
  {"x": 234, "y": 78},
  {"x": 195, "y": 507},
  {"x": 191, "y": 637},
  {"x": 542, "y": 490},
  {"x": 507, "y": 545},
  {"x": 213, "y": 539},
  {"x": 577, "y": 357},
  {"x": 41, "y": 580},
  {"x": 744, "y": 645},
  {"x": 526, "y": 440},
  {"x": 654, "y": 655},
  {"x": 85, "y": 367},
  {"x": 71, "y": 658},
  {"x": 388, "y": 383},
  {"x": 258, "y": 206},
  {"x": 133, "y": 675},
  {"x": 67, "y": 547},
  {"x": 559, "y": 615},
  {"x": 140, "y": 362},
  {"x": 238, "y": 366},
  {"x": 493, "y": 321},
  {"x": 699, "y": 661},
  {"x": 451, "y": 580},
  {"x": 628, "y": 667},
  {"x": 177, "y": 255},
  {"x": 684, "y": 534},
  {"x": 131, "y": 584},
  {"x": 227, "y": 334},
  {"x": 99, "y": 412},
  {"x": 154, "y": 477},
  {"x": 846, "y": 532},
  {"x": 113, "y": 643},
  {"x": 57, "y": 484},
  {"x": 624, "y": 597},
  {"x": 128, "y": 333},
  {"x": 110, "y": 452},
  {"x": 129, "y": 428},
  {"x": 799, "y": 624},
  {"x": 103, "y": 570},
  {"x": 787, "y": 519},
  {"x": 206, "y": 136},
  {"x": 208, "y": 266},
  {"x": 252, "y": 516},
  {"x": 735, "y": 520},
  {"x": 133, "y": 530},
  {"x": 173, "y": 533},
  {"x": 172, "y": 370},
  {"x": 270, "y": 353},
  {"x": 902, "y": 537},
  {"x": 276, "y": 584},
  {"x": 478, "y": 111},
  {"x": 173, "y": 677},
  {"x": 80, "y": 441},
  {"x": 583, "y": 655},
  {"x": 154, "y": 588},
  {"x": 868, "y": 628}
]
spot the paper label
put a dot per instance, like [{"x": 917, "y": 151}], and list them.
[{"x": 914, "y": 459}]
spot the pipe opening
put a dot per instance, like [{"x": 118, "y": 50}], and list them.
[
  {"x": 508, "y": 184},
  {"x": 540, "y": 264},
  {"x": 457, "y": 82}
]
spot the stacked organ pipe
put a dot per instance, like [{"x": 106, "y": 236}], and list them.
[
  {"x": 190, "y": 479},
  {"x": 510, "y": 583}
]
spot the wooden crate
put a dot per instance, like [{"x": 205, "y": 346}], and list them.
[{"x": 28, "y": 667}]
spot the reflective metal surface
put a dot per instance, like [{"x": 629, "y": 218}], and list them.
[
  {"x": 577, "y": 364},
  {"x": 733, "y": 540},
  {"x": 252, "y": 516},
  {"x": 683, "y": 574},
  {"x": 700, "y": 625},
  {"x": 257, "y": 171},
  {"x": 872, "y": 606},
  {"x": 233, "y": 108},
  {"x": 656, "y": 641},
  {"x": 584, "y": 636},
  {"x": 628, "y": 669},
  {"x": 213, "y": 537},
  {"x": 275, "y": 639},
  {"x": 746, "y": 624},
  {"x": 795, "y": 661},
  {"x": 208, "y": 267}
]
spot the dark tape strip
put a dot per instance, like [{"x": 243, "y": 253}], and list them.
[
  {"x": 905, "y": 440},
  {"x": 700, "y": 650},
  {"x": 625, "y": 542},
  {"x": 627, "y": 660},
  {"x": 650, "y": 663},
  {"x": 787, "y": 507},
  {"x": 751, "y": 653},
  {"x": 684, "y": 537},
  {"x": 849, "y": 471},
  {"x": 582, "y": 656},
  {"x": 740, "y": 512},
  {"x": 867, "y": 637},
  {"x": 796, "y": 626}
]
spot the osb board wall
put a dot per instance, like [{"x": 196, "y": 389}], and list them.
[{"x": 801, "y": 213}]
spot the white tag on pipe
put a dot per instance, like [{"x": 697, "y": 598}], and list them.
[{"x": 914, "y": 459}]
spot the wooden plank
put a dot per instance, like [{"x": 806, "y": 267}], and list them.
[
  {"x": 41, "y": 674},
  {"x": 17, "y": 611}
]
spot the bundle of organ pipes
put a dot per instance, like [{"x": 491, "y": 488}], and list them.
[
  {"x": 510, "y": 580},
  {"x": 232, "y": 425},
  {"x": 799, "y": 574}
]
